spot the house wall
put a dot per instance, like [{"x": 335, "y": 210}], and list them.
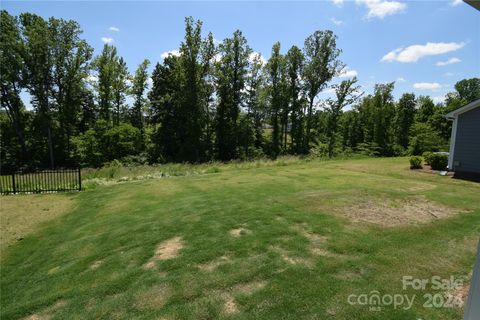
[{"x": 467, "y": 143}]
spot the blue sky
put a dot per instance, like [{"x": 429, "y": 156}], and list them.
[{"x": 425, "y": 46}]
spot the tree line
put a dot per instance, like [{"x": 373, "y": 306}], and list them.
[{"x": 205, "y": 102}]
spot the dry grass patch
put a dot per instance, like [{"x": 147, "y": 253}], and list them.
[
  {"x": 290, "y": 259},
  {"x": 239, "y": 232},
  {"x": 212, "y": 265},
  {"x": 358, "y": 206},
  {"x": 390, "y": 212},
  {"x": 96, "y": 264},
  {"x": 48, "y": 312},
  {"x": 229, "y": 304},
  {"x": 317, "y": 241},
  {"x": 21, "y": 215},
  {"x": 249, "y": 287},
  {"x": 153, "y": 298},
  {"x": 168, "y": 249}
]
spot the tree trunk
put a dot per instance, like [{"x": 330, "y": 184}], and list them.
[
  {"x": 309, "y": 126},
  {"x": 50, "y": 145}
]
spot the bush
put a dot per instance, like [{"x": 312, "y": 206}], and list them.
[
  {"x": 427, "y": 156},
  {"x": 135, "y": 160},
  {"x": 439, "y": 161},
  {"x": 416, "y": 162},
  {"x": 423, "y": 138}
]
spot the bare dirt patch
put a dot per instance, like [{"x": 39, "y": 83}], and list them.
[
  {"x": 214, "y": 264},
  {"x": 459, "y": 296},
  {"x": 168, "y": 249},
  {"x": 21, "y": 215},
  {"x": 229, "y": 306},
  {"x": 388, "y": 212},
  {"x": 48, "y": 312},
  {"x": 153, "y": 298},
  {"x": 227, "y": 296},
  {"x": 428, "y": 169},
  {"x": 239, "y": 232}
]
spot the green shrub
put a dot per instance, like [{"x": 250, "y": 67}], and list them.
[
  {"x": 427, "y": 156},
  {"x": 423, "y": 138},
  {"x": 439, "y": 161},
  {"x": 416, "y": 162}
]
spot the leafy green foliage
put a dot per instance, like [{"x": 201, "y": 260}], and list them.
[
  {"x": 427, "y": 156},
  {"x": 231, "y": 76},
  {"x": 416, "y": 162},
  {"x": 206, "y": 102},
  {"x": 424, "y": 138},
  {"x": 438, "y": 161},
  {"x": 95, "y": 147}
]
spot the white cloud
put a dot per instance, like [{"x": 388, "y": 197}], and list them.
[
  {"x": 347, "y": 73},
  {"x": 255, "y": 54},
  {"x": 338, "y": 3},
  {"x": 107, "y": 40},
  {"x": 438, "y": 99},
  {"x": 449, "y": 74},
  {"x": 175, "y": 53},
  {"x": 427, "y": 85},
  {"x": 114, "y": 29},
  {"x": 455, "y": 3},
  {"x": 336, "y": 22},
  {"x": 417, "y": 51},
  {"x": 381, "y": 9},
  {"x": 449, "y": 61},
  {"x": 401, "y": 79}
]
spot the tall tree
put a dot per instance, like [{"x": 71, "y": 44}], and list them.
[
  {"x": 164, "y": 110},
  {"x": 405, "y": 113},
  {"x": 195, "y": 56},
  {"x": 321, "y": 65},
  {"x": 468, "y": 90},
  {"x": 105, "y": 66},
  {"x": 231, "y": 75},
  {"x": 295, "y": 61},
  {"x": 255, "y": 107},
  {"x": 274, "y": 71},
  {"x": 70, "y": 55},
  {"x": 120, "y": 88},
  {"x": 426, "y": 108},
  {"x": 11, "y": 81},
  {"x": 38, "y": 75},
  {"x": 140, "y": 84},
  {"x": 346, "y": 93},
  {"x": 208, "y": 89},
  {"x": 384, "y": 113}
]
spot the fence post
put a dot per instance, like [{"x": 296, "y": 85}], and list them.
[
  {"x": 79, "y": 179},
  {"x": 13, "y": 182}
]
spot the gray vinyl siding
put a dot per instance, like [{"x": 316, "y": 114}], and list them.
[{"x": 467, "y": 144}]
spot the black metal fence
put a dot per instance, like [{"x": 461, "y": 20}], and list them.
[{"x": 41, "y": 181}]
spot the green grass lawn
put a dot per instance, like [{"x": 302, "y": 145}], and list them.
[{"x": 286, "y": 241}]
